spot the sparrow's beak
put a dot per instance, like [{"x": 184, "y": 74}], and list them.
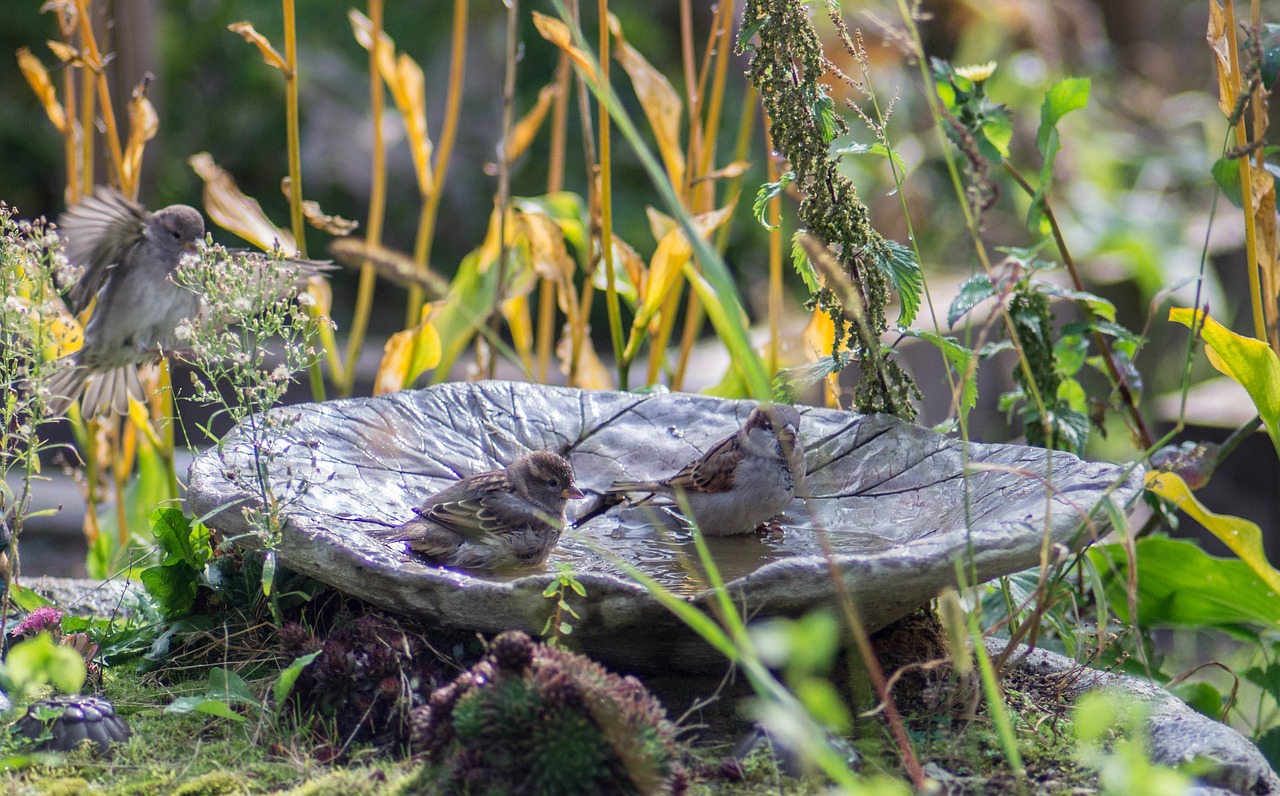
[
  {"x": 192, "y": 246},
  {"x": 573, "y": 493}
]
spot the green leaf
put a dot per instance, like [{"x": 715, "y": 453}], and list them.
[
  {"x": 173, "y": 587},
  {"x": 1065, "y": 96},
  {"x": 34, "y": 662},
  {"x": 1269, "y": 744},
  {"x": 180, "y": 539},
  {"x": 229, "y": 686},
  {"x": 1268, "y": 679},
  {"x": 903, "y": 269},
  {"x": 824, "y": 115},
  {"x": 1251, "y": 363},
  {"x": 825, "y": 703},
  {"x": 803, "y": 265},
  {"x": 1226, "y": 174},
  {"x": 1203, "y": 698},
  {"x": 878, "y": 148},
  {"x": 973, "y": 291},
  {"x": 268, "y": 572},
  {"x": 289, "y": 676},
  {"x": 26, "y": 599},
  {"x": 960, "y": 358},
  {"x": 749, "y": 29},
  {"x": 1096, "y": 304},
  {"x": 1069, "y": 353},
  {"x": 997, "y": 129},
  {"x": 1181, "y": 585},
  {"x": 214, "y": 707},
  {"x": 767, "y": 193}
]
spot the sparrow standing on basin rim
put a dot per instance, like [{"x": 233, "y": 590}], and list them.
[
  {"x": 500, "y": 519},
  {"x": 128, "y": 257},
  {"x": 744, "y": 479}
]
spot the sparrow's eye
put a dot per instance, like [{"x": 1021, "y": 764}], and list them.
[
  {"x": 552, "y": 482},
  {"x": 176, "y": 235}
]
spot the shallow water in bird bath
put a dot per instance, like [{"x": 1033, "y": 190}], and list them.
[{"x": 657, "y": 541}]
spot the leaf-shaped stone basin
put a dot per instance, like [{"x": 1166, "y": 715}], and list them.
[{"x": 889, "y": 500}]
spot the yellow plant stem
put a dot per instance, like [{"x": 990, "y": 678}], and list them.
[
  {"x": 294, "y": 145},
  {"x": 124, "y": 443},
  {"x": 377, "y": 207},
  {"x": 93, "y": 61},
  {"x": 658, "y": 343},
  {"x": 448, "y": 134},
  {"x": 775, "y": 264},
  {"x": 612, "y": 306},
  {"x": 88, "y": 109},
  {"x": 69, "y": 144},
  {"x": 546, "y": 330},
  {"x": 1246, "y": 178},
  {"x": 693, "y": 318},
  {"x": 693, "y": 97}
]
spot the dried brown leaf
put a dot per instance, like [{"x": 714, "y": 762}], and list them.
[
  {"x": 333, "y": 225},
  {"x": 235, "y": 212},
  {"x": 269, "y": 55},
  {"x": 390, "y": 264}
]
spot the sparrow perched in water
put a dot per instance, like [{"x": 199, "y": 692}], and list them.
[
  {"x": 128, "y": 256},
  {"x": 500, "y": 519},
  {"x": 741, "y": 481}
]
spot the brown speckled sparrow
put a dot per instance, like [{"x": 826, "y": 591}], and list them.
[
  {"x": 128, "y": 256},
  {"x": 744, "y": 479},
  {"x": 501, "y": 519}
]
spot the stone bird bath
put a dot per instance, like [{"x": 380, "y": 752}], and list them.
[{"x": 889, "y": 499}]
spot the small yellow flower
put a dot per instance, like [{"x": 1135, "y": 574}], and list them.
[{"x": 977, "y": 72}]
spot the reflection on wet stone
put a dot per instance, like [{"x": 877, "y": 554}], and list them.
[{"x": 888, "y": 499}]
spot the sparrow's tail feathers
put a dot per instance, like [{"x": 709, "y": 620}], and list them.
[
  {"x": 109, "y": 393},
  {"x": 65, "y": 387}
]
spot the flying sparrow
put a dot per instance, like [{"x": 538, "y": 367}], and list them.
[
  {"x": 741, "y": 481},
  {"x": 500, "y": 519},
  {"x": 128, "y": 256}
]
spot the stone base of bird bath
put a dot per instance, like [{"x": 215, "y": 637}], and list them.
[{"x": 892, "y": 509}]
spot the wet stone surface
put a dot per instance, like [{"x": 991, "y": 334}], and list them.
[{"x": 888, "y": 499}]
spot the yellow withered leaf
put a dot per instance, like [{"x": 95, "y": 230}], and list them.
[
  {"x": 65, "y": 52},
  {"x": 38, "y": 78},
  {"x": 408, "y": 354},
  {"x": 143, "y": 126},
  {"x": 516, "y": 312},
  {"x": 235, "y": 212},
  {"x": 735, "y": 169},
  {"x": 269, "y": 55},
  {"x": 591, "y": 373},
  {"x": 404, "y": 79},
  {"x": 661, "y": 104},
  {"x": 525, "y": 130},
  {"x": 548, "y": 254},
  {"x": 556, "y": 32},
  {"x": 410, "y": 95},
  {"x": 1217, "y": 37}
]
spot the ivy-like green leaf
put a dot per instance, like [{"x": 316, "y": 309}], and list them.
[
  {"x": 766, "y": 194},
  {"x": 903, "y": 269},
  {"x": 973, "y": 291},
  {"x": 1096, "y": 304}
]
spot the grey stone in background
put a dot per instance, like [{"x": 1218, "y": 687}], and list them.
[
  {"x": 1176, "y": 733},
  {"x": 890, "y": 502}
]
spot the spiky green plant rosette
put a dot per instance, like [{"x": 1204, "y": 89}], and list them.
[{"x": 531, "y": 719}]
